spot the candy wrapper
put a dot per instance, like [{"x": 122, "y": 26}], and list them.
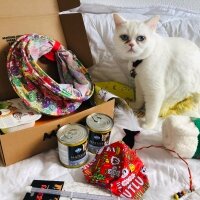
[{"x": 118, "y": 168}]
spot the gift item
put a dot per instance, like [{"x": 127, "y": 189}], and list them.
[
  {"x": 72, "y": 145},
  {"x": 15, "y": 115},
  {"x": 44, "y": 184},
  {"x": 55, "y": 190},
  {"x": 35, "y": 87},
  {"x": 181, "y": 134},
  {"x": 103, "y": 89},
  {"x": 118, "y": 168},
  {"x": 18, "y": 128},
  {"x": 99, "y": 126}
]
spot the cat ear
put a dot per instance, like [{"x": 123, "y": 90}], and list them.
[
  {"x": 152, "y": 23},
  {"x": 118, "y": 20}
]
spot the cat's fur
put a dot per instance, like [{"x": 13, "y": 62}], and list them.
[{"x": 169, "y": 72}]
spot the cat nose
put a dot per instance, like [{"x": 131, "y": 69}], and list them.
[{"x": 131, "y": 44}]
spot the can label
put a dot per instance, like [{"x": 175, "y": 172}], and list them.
[
  {"x": 73, "y": 156},
  {"x": 97, "y": 141}
]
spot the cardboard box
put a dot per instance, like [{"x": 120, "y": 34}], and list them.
[{"x": 21, "y": 17}]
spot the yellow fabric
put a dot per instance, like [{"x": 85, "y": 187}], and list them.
[
  {"x": 180, "y": 107},
  {"x": 127, "y": 93}
]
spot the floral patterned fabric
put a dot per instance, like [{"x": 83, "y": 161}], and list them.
[{"x": 35, "y": 87}]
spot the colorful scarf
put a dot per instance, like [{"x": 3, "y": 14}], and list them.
[{"x": 35, "y": 87}]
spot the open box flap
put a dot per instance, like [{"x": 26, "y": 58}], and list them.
[
  {"x": 75, "y": 40},
  {"x": 68, "y": 4},
  {"x": 73, "y": 25},
  {"x": 10, "y": 8}
]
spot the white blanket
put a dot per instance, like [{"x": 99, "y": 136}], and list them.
[
  {"x": 167, "y": 175},
  {"x": 180, "y": 19},
  {"x": 105, "y": 5}
]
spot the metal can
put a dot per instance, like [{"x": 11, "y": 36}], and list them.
[
  {"x": 99, "y": 126},
  {"x": 72, "y": 145}
]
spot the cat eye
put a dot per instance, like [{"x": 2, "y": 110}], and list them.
[
  {"x": 124, "y": 37},
  {"x": 140, "y": 38}
]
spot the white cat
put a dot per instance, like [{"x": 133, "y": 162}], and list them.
[{"x": 170, "y": 67}]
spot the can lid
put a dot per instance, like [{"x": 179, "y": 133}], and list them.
[
  {"x": 99, "y": 122},
  {"x": 72, "y": 134}
]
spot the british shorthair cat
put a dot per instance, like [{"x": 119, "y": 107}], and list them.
[{"x": 168, "y": 69}]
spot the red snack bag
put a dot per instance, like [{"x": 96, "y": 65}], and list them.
[{"x": 118, "y": 168}]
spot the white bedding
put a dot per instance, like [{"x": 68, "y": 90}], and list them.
[
  {"x": 167, "y": 175},
  {"x": 100, "y": 29}
]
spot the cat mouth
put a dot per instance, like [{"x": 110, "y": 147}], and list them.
[{"x": 131, "y": 50}]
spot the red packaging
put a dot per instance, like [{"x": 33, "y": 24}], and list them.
[{"x": 118, "y": 168}]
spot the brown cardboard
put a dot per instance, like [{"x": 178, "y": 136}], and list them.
[
  {"x": 20, "y": 17},
  {"x": 75, "y": 22},
  {"x": 25, "y": 143}
]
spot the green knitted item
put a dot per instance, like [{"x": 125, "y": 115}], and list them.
[{"x": 196, "y": 121}]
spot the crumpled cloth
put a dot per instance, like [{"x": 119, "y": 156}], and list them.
[{"x": 35, "y": 87}]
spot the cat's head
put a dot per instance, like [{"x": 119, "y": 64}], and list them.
[{"x": 134, "y": 40}]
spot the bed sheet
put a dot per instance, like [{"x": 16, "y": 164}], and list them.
[
  {"x": 167, "y": 175},
  {"x": 100, "y": 6},
  {"x": 177, "y": 19}
]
